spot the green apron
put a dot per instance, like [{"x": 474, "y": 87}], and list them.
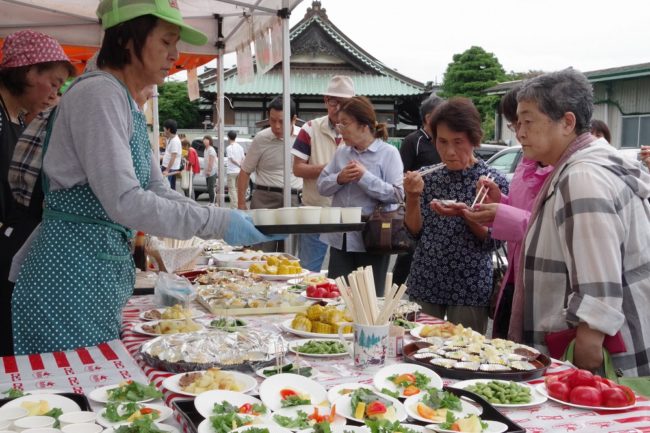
[{"x": 79, "y": 272}]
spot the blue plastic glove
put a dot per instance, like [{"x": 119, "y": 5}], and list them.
[{"x": 242, "y": 231}]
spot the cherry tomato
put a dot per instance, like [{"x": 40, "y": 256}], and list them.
[
  {"x": 614, "y": 397},
  {"x": 375, "y": 408},
  {"x": 559, "y": 390},
  {"x": 146, "y": 410},
  {"x": 284, "y": 393},
  {"x": 585, "y": 396},
  {"x": 246, "y": 408}
]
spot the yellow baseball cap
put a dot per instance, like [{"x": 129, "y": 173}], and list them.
[{"x": 114, "y": 12}]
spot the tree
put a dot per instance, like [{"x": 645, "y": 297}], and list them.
[
  {"x": 470, "y": 73},
  {"x": 174, "y": 103}
]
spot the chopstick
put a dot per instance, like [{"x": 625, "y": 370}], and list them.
[
  {"x": 483, "y": 191},
  {"x": 428, "y": 170}
]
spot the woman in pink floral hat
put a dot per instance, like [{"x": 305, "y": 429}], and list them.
[{"x": 32, "y": 69}]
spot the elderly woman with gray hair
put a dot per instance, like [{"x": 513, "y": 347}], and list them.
[{"x": 586, "y": 265}]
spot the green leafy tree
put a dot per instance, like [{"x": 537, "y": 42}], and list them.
[
  {"x": 470, "y": 73},
  {"x": 174, "y": 103}
]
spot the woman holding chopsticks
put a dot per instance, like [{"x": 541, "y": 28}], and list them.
[{"x": 451, "y": 273}]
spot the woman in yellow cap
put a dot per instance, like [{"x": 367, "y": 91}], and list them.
[{"x": 101, "y": 184}]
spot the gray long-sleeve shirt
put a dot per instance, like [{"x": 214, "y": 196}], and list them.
[{"x": 90, "y": 145}]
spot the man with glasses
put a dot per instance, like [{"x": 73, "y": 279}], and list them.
[{"x": 313, "y": 149}]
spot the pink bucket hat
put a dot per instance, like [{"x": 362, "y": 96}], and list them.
[{"x": 27, "y": 47}]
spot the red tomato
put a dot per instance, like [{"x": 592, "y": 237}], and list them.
[
  {"x": 325, "y": 285},
  {"x": 614, "y": 397},
  {"x": 582, "y": 378},
  {"x": 335, "y": 293},
  {"x": 311, "y": 290},
  {"x": 284, "y": 393},
  {"x": 585, "y": 396},
  {"x": 246, "y": 408},
  {"x": 559, "y": 390},
  {"x": 631, "y": 398},
  {"x": 375, "y": 408},
  {"x": 601, "y": 386},
  {"x": 321, "y": 292}
]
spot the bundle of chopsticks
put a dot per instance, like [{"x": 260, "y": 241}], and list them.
[
  {"x": 360, "y": 297},
  {"x": 431, "y": 168},
  {"x": 482, "y": 193}
]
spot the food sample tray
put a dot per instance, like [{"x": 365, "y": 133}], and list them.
[{"x": 287, "y": 229}]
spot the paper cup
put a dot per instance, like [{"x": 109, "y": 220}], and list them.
[
  {"x": 78, "y": 417},
  {"x": 330, "y": 215},
  {"x": 351, "y": 215},
  {"x": 82, "y": 428},
  {"x": 286, "y": 215},
  {"x": 32, "y": 422},
  {"x": 12, "y": 413},
  {"x": 309, "y": 214},
  {"x": 265, "y": 217},
  {"x": 43, "y": 430}
]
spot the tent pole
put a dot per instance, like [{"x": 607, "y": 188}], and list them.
[
  {"x": 155, "y": 127},
  {"x": 286, "y": 110},
  {"x": 220, "y": 107}
]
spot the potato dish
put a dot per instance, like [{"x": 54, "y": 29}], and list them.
[
  {"x": 322, "y": 320},
  {"x": 172, "y": 327},
  {"x": 276, "y": 266},
  {"x": 36, "y": 408},
  {"x": 444, "y": 330},
  {"x": 213, "y": 378},
  {"x": 171, "y": 313}
]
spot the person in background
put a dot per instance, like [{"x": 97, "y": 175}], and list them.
[
  {"x": 508, "y": 216},
  {"x": 417, "y": 151},
  {"x": 313, "y": 149},
  {"x": 79, "y": 270},
  {"x": 451, "y": 273},
  {"x": 599, "y": 129},
  {"x": 210, "y": 162},
  {"x": 171, "y": 162},
  {"x": 365, "y": 172},
  {"x": 266, "y": 158},
  {"x": 192, "y": 166},
  {"x": 234, "y": 159},
  {"x": 32, "y": 70},
  {"x": 586, "y": 261}
]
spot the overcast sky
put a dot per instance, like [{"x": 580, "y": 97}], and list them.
[{"x": 419, "y": 37}]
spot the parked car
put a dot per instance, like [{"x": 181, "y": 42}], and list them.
[
  {"x": 486, "y": 151},
  {"x": 506, "y": 161}
]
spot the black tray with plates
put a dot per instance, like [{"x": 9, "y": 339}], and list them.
[
  {"x": 191, "y": 417},
  {"x": 542, "y": 362},
  {"x": 80, "y": 399},
  {"x": 289, "y": 229}
]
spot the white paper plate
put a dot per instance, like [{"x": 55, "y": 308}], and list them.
[
  {"x": 138, "y": 327},
  {"x": 273, "y": 277},
  {"x": 314, "y": 372},
  {"x": 100, "y": 395},
  {"x": 293, "y": 411},
  {"x": 535, "y": 397},
  {"x": 342, "y": 429},
  {"x": 53, "y": 400},
  {"x": 164, "y": 427},
  {"x": 272, "y": 428},
  {"x": 344, "y": 408},
  {"x": 492, "y": 427},
  {"x": 412, "y": 402},
  {"x": 541, "y": 388},
  {"x": 418, "y": 428},
  {"x": 205, "y": 401},
  {"x": 245, "y": 382},
  {"x": 271, "y": 387},
  {"x": 296, "y": 343},
  {"x": 286, "y": 325},
  {"x": 334, "y": 392},
  {"x": 380, "y": 380},
  {"x": 206, "y": 426},
  {"x": 165, "y": 413},
  {"x": 195, "y": 314}
]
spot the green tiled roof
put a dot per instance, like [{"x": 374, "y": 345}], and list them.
[{"x": 315, "y": 83}]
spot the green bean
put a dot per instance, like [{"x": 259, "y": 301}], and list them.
[
  {"x": 321, "y": 347},
  {"x": 497, "y": 392}
]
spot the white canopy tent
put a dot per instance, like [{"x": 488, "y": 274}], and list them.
[{"x": 228, "y": 23}]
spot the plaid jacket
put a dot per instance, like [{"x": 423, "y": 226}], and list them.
[
  {"x": 586, "y": 256},
  {"x": 26, "y": 163}
]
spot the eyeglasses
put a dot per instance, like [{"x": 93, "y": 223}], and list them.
[
  {"x": 333, "y": 102},
  {"x": 512, "y": 127},
  {"x": 343, "y": 125}
]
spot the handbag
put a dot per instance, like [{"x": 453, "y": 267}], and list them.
[
  {"x": 386, "y": 233},
  {"x": 185, "y": 179}
]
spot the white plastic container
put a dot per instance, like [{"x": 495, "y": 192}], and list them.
[
  {"x": 265, "y": 217},
  {"x": 330, "y": 215},
  {"x": 12, "y": 413},
  {"x": 350, "y": 215},
  {"x": 309, "y": 214},
  {"x": 286, "y": 215},
  {"x": 43, "y": 430},
  {"x": 82, "y": 428},
  {"x": 32, "y": 422},
  {"x": 78, "y": 417},
  {"x": 5, "y": 424}
]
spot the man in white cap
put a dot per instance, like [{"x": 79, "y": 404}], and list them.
[{"x": 313, "y": 149}]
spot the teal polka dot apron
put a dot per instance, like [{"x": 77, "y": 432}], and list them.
[{"x": 79, "y": 272}]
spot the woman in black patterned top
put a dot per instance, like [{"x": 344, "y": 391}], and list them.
[{"x": 451, "y": 274}]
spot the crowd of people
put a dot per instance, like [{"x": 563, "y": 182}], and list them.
[{"x": 575, "y": 217}]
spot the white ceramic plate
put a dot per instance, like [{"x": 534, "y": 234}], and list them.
[
  {"x": 535, "y": 397},
  {"x": 53, "y": 400},
  {"x": 165, "y": 413},
  {"x": 380, "y": 380},
  {"x": 415, "y": 332},
  {"x": 293, "y": 411},
  {"x": 344, "y": 408},
  {"x": 246, "y": 383},
  {"x": 312, "y": 298},
  {"x": 138, "y": 327},
  {"x": 271, "y": 387},
  {"x": 195, "y": 314},
  {"x": 334, "y": 392},
  {"x": 272, "y": 428},
  {"x": 206, "y": 400},
  {"x": 206, "y": 426},
  {"x": 342, "y": 429},
  {"x": 541, "y": 388},
  {"x": 412, "y": 402},
  {"x": 286, "y": 325},
  {"x": 274, "y": 277},
  {"x": 314, "y": 372},
  {"x": 492, "y": 427},
  {"x": 418, "y": 428},
  {"x": 100, "y": 395},
  {"x": 293, "y": 345},
  {"x": 164, "y": 427}
]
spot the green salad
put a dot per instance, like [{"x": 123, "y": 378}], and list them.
[
  {"x": 14, "y": 393},
  {"x": 141, "y": 425},
  {"x": 116, "y": 412},
  {"x": 385, "y": 426},
  {"x": 227, "y": 324},
  {"x": 436, "y": 399},
  {"x": 227, "y": 418},
  {"x": 300, "y": 422},
  {"x": 133, "y": 391}
]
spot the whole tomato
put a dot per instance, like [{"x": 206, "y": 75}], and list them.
[
  {"x": 614, "y": 397},
  {"x": 559, "y": 390},
  {"x": 585, "y": 396},
  {"x": 582, "y": 378},
  {"x": 311, "y": 291}
]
